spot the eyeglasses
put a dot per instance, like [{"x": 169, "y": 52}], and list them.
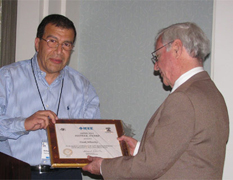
[
  {"x": 54, "y": 44},
  {"x": 154, "y": 58}
]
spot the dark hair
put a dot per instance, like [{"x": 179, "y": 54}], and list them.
[{"x": 57, "y": 20}]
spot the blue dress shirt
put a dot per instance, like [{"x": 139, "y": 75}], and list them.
[{"x": 19, "y": 99}]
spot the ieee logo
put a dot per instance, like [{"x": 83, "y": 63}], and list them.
[{"x": 86, "y": 128}]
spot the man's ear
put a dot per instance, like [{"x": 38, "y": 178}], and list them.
[
  {"x": 37, "y": 42},
  {"x": 177, "y": 46}
]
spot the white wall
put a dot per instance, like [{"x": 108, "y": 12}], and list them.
[
  {"x": 27, "y": 22},
  {"x": 222, "y": 65}
]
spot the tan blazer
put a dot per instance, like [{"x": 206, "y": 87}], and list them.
[{"x": 185, "y": 138}]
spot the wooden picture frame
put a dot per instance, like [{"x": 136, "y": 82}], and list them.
[{"x": 79, "y": 131}]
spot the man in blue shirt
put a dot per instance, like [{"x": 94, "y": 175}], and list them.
[{"x": 42, "y": 89}]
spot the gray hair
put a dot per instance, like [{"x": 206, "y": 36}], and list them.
[{"x": 193, "y": 38}]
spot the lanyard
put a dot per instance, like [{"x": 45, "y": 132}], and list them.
[{"x": 40, "y": 93}]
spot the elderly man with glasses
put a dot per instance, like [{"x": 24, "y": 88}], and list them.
[{"x": 186, "y": 136}]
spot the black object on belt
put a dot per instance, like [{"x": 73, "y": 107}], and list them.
[{"x": 42, "y": 169}]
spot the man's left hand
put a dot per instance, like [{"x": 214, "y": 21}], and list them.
[{"x": 94, "y": 166}]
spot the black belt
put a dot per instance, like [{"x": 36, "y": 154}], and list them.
[{"x": 42, "y": 169}]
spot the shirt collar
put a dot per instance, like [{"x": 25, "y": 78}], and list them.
[{"x": 184, "y": 77}]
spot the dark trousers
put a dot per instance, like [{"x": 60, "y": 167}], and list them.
[{"x": 63, "y": 173}]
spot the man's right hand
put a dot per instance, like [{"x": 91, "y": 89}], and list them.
[{"x": 40, "y": 120}]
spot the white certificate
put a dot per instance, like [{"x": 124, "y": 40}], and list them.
[
  {"x": 72, "y": 140},
  {"x": 81, "y": 140}
]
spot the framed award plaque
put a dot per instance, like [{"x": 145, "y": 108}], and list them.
[{"x": 72, "y": 140}]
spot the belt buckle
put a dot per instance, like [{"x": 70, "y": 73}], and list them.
[{"x": 41, "y": 168}]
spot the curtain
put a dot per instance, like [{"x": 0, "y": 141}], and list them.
[{"x": 8, "y": 34}]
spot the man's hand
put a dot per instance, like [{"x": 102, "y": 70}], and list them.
[
  {"x": 94, "y": 166},
  {"x": 131, "y": 142},
  {"x": 40, "y": 120}
]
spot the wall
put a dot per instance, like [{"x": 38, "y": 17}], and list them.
[
  {"x": 222, "y": 65},
  {"x": 27, "y": 22}
]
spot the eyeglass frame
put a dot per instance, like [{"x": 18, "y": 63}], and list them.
[
  {"x": 49, "y": 40},
  {"x": 154, "y": 58}
]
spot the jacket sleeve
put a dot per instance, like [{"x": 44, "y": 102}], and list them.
[{"x": 165, "y": 139}]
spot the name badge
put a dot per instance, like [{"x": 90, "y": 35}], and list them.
[{"x": 45, "y": 150}]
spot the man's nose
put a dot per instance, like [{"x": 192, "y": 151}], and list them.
[{"x": 59, "y": 48}]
